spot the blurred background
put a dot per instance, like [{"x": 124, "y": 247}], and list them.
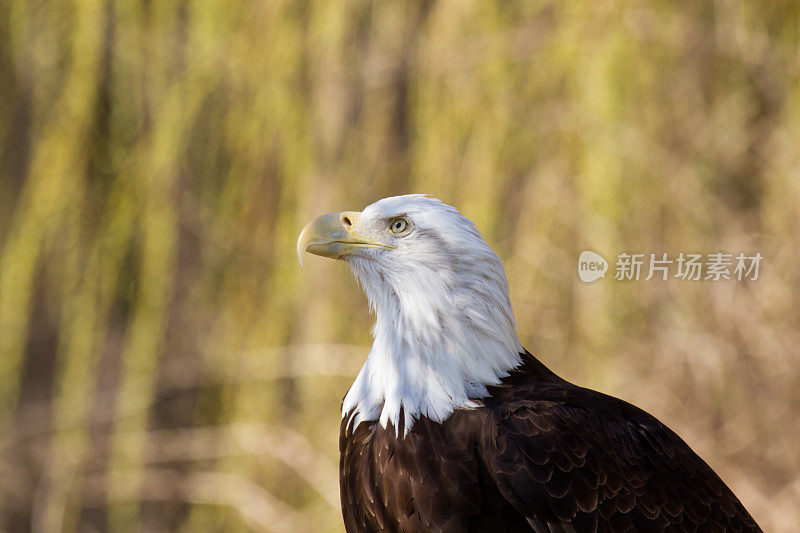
[{"x": 166, "y": 365}]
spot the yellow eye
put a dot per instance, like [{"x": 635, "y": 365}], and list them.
[{"x": 398, "y": 225}]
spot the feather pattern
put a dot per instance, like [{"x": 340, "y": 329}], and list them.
[{"x": 538, "y": 454}]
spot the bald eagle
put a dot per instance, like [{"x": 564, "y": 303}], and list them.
[{"x": 451, "y": 425}]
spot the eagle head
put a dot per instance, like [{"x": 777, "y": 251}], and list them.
[{"x": 444, "y": 328}]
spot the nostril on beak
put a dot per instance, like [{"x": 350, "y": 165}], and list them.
[{"x": 348, "y": 223}]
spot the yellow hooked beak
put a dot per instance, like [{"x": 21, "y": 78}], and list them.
[{"x": 333, "y": 236}]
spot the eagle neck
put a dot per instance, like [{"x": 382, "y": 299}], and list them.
[{"x": 434, "y": 351}]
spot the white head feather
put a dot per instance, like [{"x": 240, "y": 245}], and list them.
[{"x": 444, "y": 329}]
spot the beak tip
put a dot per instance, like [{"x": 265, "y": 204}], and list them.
[{"x": 302, "y": 243}]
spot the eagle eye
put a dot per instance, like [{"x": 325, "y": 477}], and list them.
[{"x": 398, "y": 225}]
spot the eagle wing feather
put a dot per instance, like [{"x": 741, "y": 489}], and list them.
[{"x": 577, "y": 456}]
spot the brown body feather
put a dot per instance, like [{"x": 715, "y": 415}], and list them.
[{"x": 540, "y": 454}]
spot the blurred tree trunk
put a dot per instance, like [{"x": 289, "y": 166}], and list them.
[
  {"x": 176, "y": 395},
  {"x": 93, "y": 514},
  {"x": 34, "y": 413}
]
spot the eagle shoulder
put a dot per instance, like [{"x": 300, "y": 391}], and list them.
[{"x": 569, "y": 457}]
